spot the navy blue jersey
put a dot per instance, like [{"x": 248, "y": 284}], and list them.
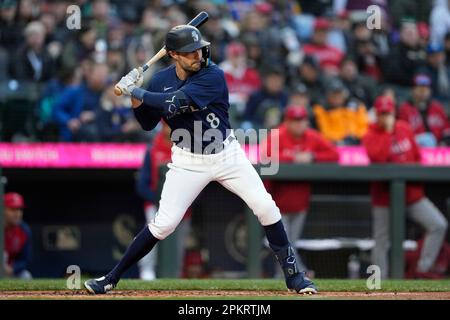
[{"x": 208, "y": 91}]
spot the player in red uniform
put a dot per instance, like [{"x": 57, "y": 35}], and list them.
[
  {"x": 17, "y": 238},
  {"x": 391, "y": 141}
]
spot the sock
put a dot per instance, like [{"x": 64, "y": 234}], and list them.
[
  {"x": 276, "y": 235},
  {"x": 279, "y": 242},
  {"x": 141, "y": 245}
]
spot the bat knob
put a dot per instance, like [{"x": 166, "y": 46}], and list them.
[{"x": 117, "y": 91}]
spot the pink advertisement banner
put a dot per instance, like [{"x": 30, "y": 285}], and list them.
[{"x": 130, "y": 156}]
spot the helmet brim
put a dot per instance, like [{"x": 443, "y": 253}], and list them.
[{"x": 194, "y": 46}]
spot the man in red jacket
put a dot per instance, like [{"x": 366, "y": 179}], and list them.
[
  {"x": 426, "y": 116},
  {"x": 297, "y": 144},
  {"x": 391, "y": 141}
]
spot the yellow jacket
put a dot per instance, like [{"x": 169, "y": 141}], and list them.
[{"x": 338, "y": 123}]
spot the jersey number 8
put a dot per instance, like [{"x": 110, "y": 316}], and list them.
[{"x": 212, "y": 119}]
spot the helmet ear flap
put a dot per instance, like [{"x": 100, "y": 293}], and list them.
[{"x": 206, "y": 54}]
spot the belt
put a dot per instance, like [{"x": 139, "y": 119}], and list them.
[{"x": 225, "y": 143}]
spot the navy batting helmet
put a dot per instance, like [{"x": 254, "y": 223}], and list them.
[{"x": 186, "y": 38}]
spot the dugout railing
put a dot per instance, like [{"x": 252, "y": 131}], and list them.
[{"x": 395, "y": 175}]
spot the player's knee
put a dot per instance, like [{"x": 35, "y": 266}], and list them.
[
  {"x": 163, "y": 225},
  {"x": 267, "y": 211},
  {"x": 440, "y": 227},
  {"x": 162, "y": 231}
]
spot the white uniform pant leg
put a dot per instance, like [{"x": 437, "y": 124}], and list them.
[
  {"x": 425, "y": 213},
  {"x": 184, "y": 181},
  {"x": 235, "y": 172},
  {"x": 380, "y": 233}
]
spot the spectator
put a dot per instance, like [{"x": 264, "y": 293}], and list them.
[
  {"x": 278, "y": 43},
  {"x": 339, "y": 35},
  {"x": 75, "y": 110},
  {"x": 217, "y": 34},
  {"x": 265, "y": 107},
  {"x": 147, "y": 184},
  {"x": 80, "y": 48},
  {"x": 58, "y": 10},
  {"x": 299, "y": 96},
  {"x": 368, "y": 53},
  {"x": 341, "y": 119},
  {"x": 309, "y": 73},
  {"x": 426, "y": 116},
  {"x": 103, "y": 18},
  {"x": 405, "y": 58},
  {"x": 254, "y": 50},
  {"x": 297, "y": 144},
  {"x": 361, "y": 87},
  {"x": 11, "y": 30},
  {"x": 241, "y": 80},
  {"x": 439, "y": 73},
  {"x": 391, "y": 141},
  {"x": 116, "y": 121},
  {"x": 47, "y": 129},
  {"x": 33, "y": 61},
  {"x": 329, "y": 57},
  {"x": 17, "y": 238}
]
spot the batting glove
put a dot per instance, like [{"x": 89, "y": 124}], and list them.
[{"x": 132, "y": 80}]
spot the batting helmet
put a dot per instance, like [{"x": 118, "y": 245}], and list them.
[{"x": 186, "y": 38}]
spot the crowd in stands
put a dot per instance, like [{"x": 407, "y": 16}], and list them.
[{"x": 56, "y": 83}]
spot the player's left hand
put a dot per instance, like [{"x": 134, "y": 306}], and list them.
[{"x": 132, "y": 80}]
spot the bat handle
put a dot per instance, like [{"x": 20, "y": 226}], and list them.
[{"x": 144, "y": 67}]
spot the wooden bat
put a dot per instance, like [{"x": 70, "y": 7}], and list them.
[{"x": 198, "y": 21}]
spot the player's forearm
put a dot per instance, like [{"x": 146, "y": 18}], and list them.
[{"x": 168, "y": 104}]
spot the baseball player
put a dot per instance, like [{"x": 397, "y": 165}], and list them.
[
  {"x": 391, "y": 141},
  {"x": 191, "y": 96}
]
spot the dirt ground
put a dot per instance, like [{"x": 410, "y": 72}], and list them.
[{"x": 193, "y": 294}]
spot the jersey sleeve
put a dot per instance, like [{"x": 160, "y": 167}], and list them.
[
  {"x": 204, "y": 88},
  {"x": 148, "y": 117}
]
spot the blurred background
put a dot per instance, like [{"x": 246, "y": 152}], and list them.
[{"x": 74, "y": 154}]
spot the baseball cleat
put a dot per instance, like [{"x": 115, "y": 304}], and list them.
[
  {"x": 99, "y": 286},
  {"x": 300, "y": 283}
]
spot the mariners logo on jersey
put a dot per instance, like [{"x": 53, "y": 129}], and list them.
[{"x": 208, "y": 91}]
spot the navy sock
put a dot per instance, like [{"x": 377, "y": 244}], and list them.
[
  {"x": 276, "y": 235},
  {"x": 141, "y": 245}
]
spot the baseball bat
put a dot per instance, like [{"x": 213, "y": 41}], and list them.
[{"x": 197, "y": 22}]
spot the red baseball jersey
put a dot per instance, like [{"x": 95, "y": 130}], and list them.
[
  {"x": 436, "y": 118},
  {"x": 294, "y": 196},
  {"x": 396, "y": 147}
]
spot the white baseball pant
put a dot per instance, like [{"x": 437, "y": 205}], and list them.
[{"x": 190, "y": 173}]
